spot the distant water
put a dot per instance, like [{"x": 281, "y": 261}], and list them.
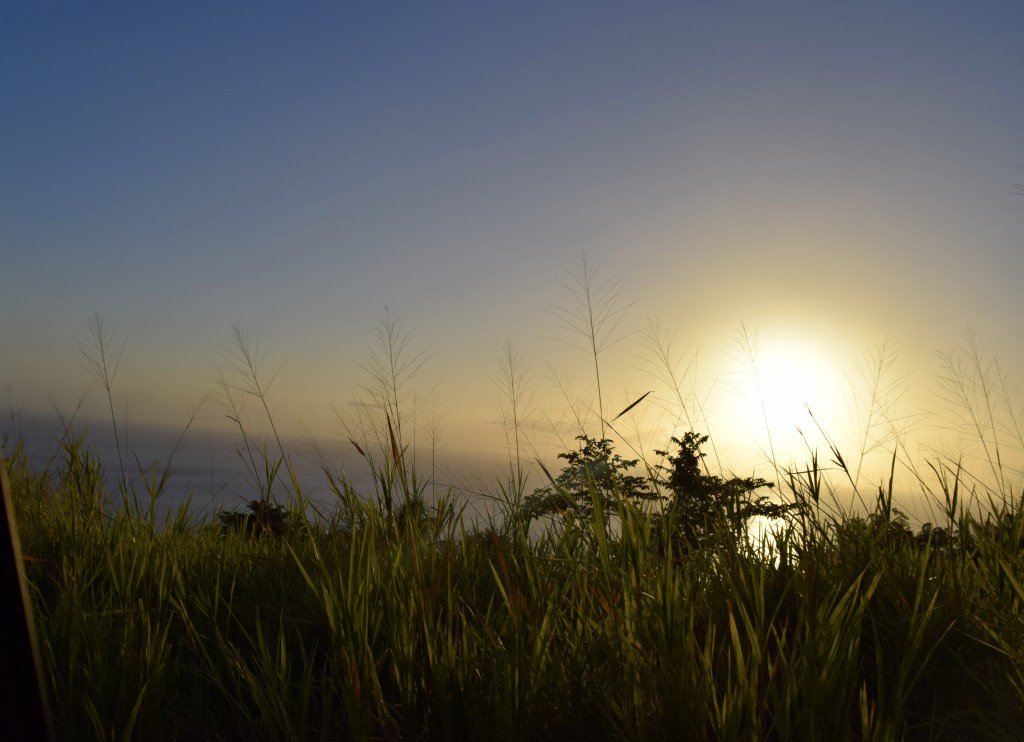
[{"x": 211, "y": 469}]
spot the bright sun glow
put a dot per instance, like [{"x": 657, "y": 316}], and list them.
[{"x": 772, "y": 386}]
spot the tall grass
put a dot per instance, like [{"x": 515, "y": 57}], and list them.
[
  {"x": 370, "y": 626},
  {"x": 393, "y": 616},
  {"x": 591, "y": 317}
]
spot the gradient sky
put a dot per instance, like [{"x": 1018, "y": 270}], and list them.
[{"x": 827, "y": 174}]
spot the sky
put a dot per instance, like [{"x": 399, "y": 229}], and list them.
[{"x": 781, "y": 187}]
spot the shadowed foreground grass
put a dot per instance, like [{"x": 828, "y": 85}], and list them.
[{"x": 409, "y": 624}]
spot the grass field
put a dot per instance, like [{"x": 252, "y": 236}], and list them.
[
  {"x": 642, "y": 605},
  {"x": 403, "y": 622}
]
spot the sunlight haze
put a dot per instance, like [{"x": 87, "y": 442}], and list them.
[{"x": 780, "y": 188}]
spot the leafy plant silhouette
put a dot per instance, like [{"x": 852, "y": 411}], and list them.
[
  {"x": 593, "y": 471},
  {"x": 701, "y": 505},
  {"x": 263, "y": 519},
  {"x": 697, "y": 505}
]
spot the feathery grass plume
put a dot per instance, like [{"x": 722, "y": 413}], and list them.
[
  {"x": 516, "y": 391},
  {"x": 385, "y": 422},
  {"x": 663, "y": 364},
  {"x": 747, "y": 345},
  {"x": 975, "y": 385},
  {"x": 100, "y": 353},
  {"x": 593, "y": 314},
  {"x": 245, "y": 372},
  {"x": 877, "y": 406},
  {"x": 664, "y": 367},
  {"x": 155, "y": 486},
  {"x": 435, "y": 429},
  {"x": 576, "y": 406},
  {"x": 233, "y": 405},
  {"x": 391, "y": 366}
]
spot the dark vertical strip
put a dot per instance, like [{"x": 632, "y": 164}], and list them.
[{"x": 23, "y": 708}]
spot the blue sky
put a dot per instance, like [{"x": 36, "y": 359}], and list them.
[{"x": 827, "y": 174}]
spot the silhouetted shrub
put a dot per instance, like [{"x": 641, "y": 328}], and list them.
[
  {"x": 263, "y": 519},
  {"x": 700, "y": 505},
  {"x": 592, "y": 471}
]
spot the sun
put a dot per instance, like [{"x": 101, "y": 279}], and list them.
[{"x": 778, "y": 388}]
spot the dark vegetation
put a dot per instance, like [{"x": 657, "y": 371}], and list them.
[
  {"x": 414, "y": 625},
  {"x": 624, "y": 599},
  {"x": 263, "y": 519}
]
